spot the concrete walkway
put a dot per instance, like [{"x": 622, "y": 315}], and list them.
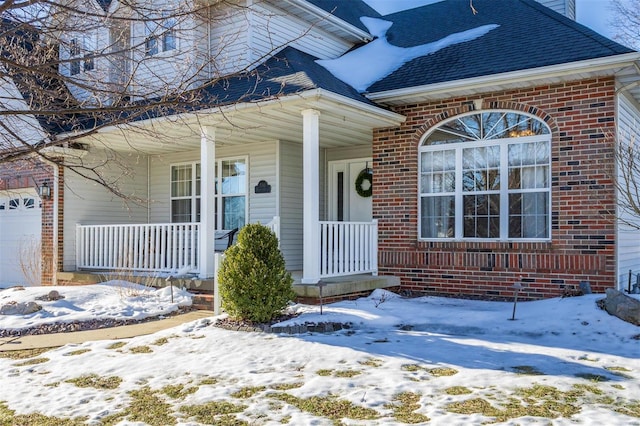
[{"x": 112, "y": 333}]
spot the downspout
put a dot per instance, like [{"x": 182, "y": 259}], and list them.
[
  {"x": 148, "y": 189},
  {"x": 209, "y": 56},
  {"x": 56, "y": 202}
]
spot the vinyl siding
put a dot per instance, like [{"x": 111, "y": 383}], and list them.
[
  {"x": 228, "y": 40},
  {"x": 262, "y": 166},
  {"x": 154, "y": 75},
  {"x": 628, "y": 239},
  {"x": 291, "y": 204},
  {"x": 272, "y": 30},
  {"x": 565, "y": 7},
  {"x": 87, "y": 203}
]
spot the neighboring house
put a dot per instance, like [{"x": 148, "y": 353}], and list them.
[
  {"x": 489, "y": 137},
  {"x": 21, "y": 210}
]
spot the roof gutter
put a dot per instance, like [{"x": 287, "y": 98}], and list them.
[
  {"x": 329, "y": 17},
  {"x": 307, "y": 98},
  {"x": 385, "y": 117},
  {"x": 448, "y": 88}
]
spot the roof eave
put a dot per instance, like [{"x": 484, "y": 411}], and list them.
[
  {"x": 307, "y": 99},
  {"x": 323, "y": 14},
  {"x": 514, "y": 78}
]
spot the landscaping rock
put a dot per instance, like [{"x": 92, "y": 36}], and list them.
[
  {"x": 22, "y": 308},
  {"x": 51, "y": 296},
  {"x": 622, "y": 306}
]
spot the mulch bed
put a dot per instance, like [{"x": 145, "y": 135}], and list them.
[{"x": 67, "y": 327}]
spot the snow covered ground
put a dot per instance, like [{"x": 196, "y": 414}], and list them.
[
  {"x": 455, "y": 362},
  {"x": 113, "y": 300}
]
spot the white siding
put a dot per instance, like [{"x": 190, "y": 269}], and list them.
[
  {"x": 228, "y": 40},
  {"x": 90, "y": 33},
  {"x": 565, "y": 7},
  {"x": 359, "y": 151},
  {"x": 87, "y": 203},
  {"x": 262, "y": 166},
  {"x": 154, "y": 75},
  {"x": 291, "y": 206},
  {"x": 272, "y": 29},
  {"x": 628, "y": 239},
  {"x": 26, "y": 126}
]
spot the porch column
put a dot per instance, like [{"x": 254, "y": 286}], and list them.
[
  {"x": 311, "y": 186},
  {"x": 207, "y": 200}
]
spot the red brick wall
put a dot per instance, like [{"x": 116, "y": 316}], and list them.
[{"x": 582, "y": 247}]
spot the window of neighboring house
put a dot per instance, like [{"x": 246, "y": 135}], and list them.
[
  {"x": 81, "y": 53},
  {"x": 230, "y": 201},
  {"x": 486, "y": 176},
  {"x": 160, "y": 36}
]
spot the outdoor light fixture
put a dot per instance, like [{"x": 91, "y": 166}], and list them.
[{"x": 45, "y": 191}]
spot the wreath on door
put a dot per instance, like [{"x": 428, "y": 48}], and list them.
[{"x": 364, "y": 190}]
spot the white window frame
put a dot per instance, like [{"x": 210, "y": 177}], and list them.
[
  {"x": 503, "y": 191},
  {"x": 194, "y": 197},
  {"x": 82, "y": 51},
  {"x": 157, "y": 30},
  {"x": 218, "y": 196}
]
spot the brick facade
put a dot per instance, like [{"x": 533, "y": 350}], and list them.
[
  {"x": 581, "y": 116},
  {"x": 31, "y": 174}
]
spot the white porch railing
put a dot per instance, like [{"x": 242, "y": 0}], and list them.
[
  {"x": 348, "y": 248},
  {"x": 163, "y": 247}
]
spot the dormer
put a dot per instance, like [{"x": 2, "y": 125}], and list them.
[{"x": 564, "y": 7}]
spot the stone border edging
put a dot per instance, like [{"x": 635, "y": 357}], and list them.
[{"x": 323, "y": 327}]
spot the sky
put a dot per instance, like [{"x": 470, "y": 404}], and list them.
[
  {"x": 435, "y": 354},
  {"x": 595, "y": 14}
]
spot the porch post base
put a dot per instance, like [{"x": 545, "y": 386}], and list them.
[{"x": 310, "y": 280}]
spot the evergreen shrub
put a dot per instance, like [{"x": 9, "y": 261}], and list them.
[{"x": 253, "y": 282}]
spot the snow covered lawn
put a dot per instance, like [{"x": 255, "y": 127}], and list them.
[{"x": 455, "y": 362}]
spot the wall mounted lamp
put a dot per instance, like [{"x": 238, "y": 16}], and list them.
[{"x": 44, "y": 191}]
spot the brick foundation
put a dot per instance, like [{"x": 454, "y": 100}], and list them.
[{"x": 581, "y": 115}]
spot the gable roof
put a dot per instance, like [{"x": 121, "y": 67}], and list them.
[
  {"x": 288, "y": 72},
  {"x": 529, "y": 36}
]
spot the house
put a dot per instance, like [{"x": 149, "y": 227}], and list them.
[
  {"x": 21, "y": 220},
  {"x": 434, "y": 149}
]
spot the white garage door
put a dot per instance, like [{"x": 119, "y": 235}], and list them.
[{"x": 20, "y": 227}]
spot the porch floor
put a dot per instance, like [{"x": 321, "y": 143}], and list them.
[
  {"x": 333, "y": 289},
  {"x": 337, "y": 288}
]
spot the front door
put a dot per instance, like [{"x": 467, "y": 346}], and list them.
[{"x": 345, "y": 203}]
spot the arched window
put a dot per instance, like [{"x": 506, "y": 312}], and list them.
[{"x": 486, "y": 175}]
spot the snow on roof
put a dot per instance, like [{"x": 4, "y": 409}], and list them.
[{"x": 362, "y": 67}]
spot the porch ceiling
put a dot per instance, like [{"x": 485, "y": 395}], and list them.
[{"x": 343, "y": 122}]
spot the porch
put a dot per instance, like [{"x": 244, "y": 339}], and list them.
[{"x": 220, "y": 170}]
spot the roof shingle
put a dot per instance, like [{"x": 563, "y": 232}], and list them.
[{"x": 530, "y": 36}]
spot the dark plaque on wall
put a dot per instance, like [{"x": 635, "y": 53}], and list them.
[{"x": 263, "y": 187}]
